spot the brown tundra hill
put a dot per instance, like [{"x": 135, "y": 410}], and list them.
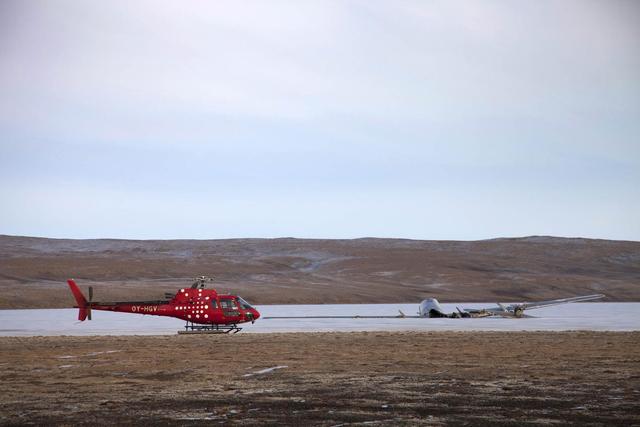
[{"x": 33, "y": 270}]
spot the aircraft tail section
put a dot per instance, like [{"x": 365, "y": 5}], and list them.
[{"x": 80, "y": 299}]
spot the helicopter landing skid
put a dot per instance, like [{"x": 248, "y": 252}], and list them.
[{"x": 191, "y": 328}]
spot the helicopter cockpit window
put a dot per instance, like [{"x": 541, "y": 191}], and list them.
[
  {"x": 243, "y": 304},
  {"x": 227, "y": 304}
]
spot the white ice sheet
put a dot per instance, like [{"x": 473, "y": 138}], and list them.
[{"x": 577, "y": 316}]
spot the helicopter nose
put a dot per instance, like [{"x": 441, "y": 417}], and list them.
[{"x": 256, "y": 313}]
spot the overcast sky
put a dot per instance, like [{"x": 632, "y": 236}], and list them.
[{"x": 426, "y": 120}]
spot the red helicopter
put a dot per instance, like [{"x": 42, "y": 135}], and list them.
[{"x": 204, "y": 310}]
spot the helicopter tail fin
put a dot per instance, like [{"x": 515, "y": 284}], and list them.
[{"x": 80, "y": 299}]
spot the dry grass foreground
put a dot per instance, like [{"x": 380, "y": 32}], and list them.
[{"x": 585, "y": 378}]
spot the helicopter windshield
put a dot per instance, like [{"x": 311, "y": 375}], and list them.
[{"x": 243, "y": 304}]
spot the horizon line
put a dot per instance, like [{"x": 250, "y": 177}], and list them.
[{"x": 531, "y": 236}]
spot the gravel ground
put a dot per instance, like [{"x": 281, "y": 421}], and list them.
[{"x": 380, "y": 378}]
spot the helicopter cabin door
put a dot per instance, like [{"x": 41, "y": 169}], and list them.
[{"x": 230, "y": 310}]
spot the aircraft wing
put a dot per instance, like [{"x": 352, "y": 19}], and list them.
[
  {"x": 492, "y": 311},
  {"x": 506, "y": 310},
  {"x": 540, "y": 304}
]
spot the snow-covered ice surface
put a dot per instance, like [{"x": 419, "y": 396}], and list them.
[{"x": 577, "y": 316}]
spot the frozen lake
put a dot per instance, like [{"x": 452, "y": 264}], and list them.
[{"x": 577, "y": 316}]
